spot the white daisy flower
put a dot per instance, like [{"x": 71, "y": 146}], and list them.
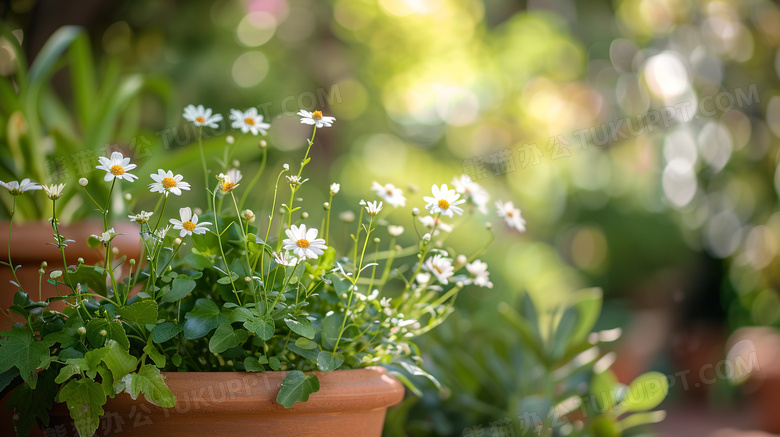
[
  {"x": 440, "y": 266},
  {"x": 390, "y": 194},
  {"x": 429, "y": 221},
  {"x": 188, "y": 224},
  {"x": 296, "y": 181},
  {"x": 334, "y": 188},
  {"x": 167, "y": 182},
  {"x": 105, "y": 237},
  {"x": 444, "y": 201},
  {"x": 140, "y": 218},
  {"x": 304, "y": 243},
  {"x": 53, "y": 191},
  {"x": 373, "y": 208},
  {"x": 249, "y": 121},
  {"x": 395, "y": 231},
  {"x": 285, "y": 259},
  {"x": 511, "y": 215},
  {"x": 201, "y": 116},
  {"x": 116, "y": 167},
  {"x": 316, "y": 118},
  {"x": 229, "y": 181},
  {"x": 472, "y": 191},
  {"x": 422, "y": 278},
  {"x": 479, "y": 274}
]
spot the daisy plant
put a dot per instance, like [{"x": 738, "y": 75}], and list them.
[{"x": 223, "y": 289}]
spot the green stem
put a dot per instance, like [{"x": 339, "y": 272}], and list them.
[
  {"x": 221, "y": 249},
  {"x": 203, "y": 161},
  {"x": 10, "y": 261}
]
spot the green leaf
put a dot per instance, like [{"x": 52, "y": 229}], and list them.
[
  {"x": 225, "y": 337},
  {"x": 301, "y": 326},
  {"x": 305, "y": 343},
  {"x": 262, "y": 326},
  {"x": 645, "y": 392},
  {"x": 176, "y": 359},
  {"x": 563, "y": 333},
  {"x": 275, "y": 363},
  {"x": 180, "y": 288},
  {"x": 165, "y": 331},
  {"x": 228, "y": 279},
  {"x": 68, "y": 371},
  {"x": 118, "y": 360},
  {"x": 203, "y": 319},
  {"x": 604, "y": 390},
  {"x": 33, "y": 404},
  {"x": 327, "y": 362},
  {"x": 252, "y": 364},
  {"x": 588, "y": 306},
  {"x": 7, "y": 377},
  {"x": 309, "y": 354},
  {"x": 151, "y": 350},
  {"x": 21, "y": 350},
  {"x": 149, "y": 381},
  {"x": 114, "y": 331},
  {"x": 640, "y": 419},
  {"x": 296, "y": 387},
  {"x": 107, "y": 380},
  {"x": 139, "y": 313},
  {"x": 91, "y": 277},
  {"x": 240, "y": 314},
  {"x": 85, "y": 399}
]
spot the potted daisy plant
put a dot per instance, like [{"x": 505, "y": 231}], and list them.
[{"x": 227, "y": 321}]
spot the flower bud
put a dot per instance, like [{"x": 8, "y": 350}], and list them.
[
  {"x": 80, "y": 260},
  {"x": 55, "y": 274},
  {"x": 304, "y": 215},
  {"x": 82, "y": 330},
  {"x": 132, "y": 261},
  {"x": 415, "y": 212},
  {"x": 230, "y": 140},
  {"x": 177, "y": 241},
  {"x": 197, "y": 211},
  {"x": 41, "y": 272},
  {"x": 247, "y": 279},
  {"x": 376, "y": 240},
  {"x": 103, "y": 333},
  {"x": 44, "y": 265},
  {"x": 115, "y": 251},
  {"x": 334, "y": 188},
  {"x": 347, "y": 216},
  {"x": 128, "y": 197},
  {"x": 262, "y": 144},
  {"x": 249, "y": 215},
  {"x": 427, "y": 237},
  {"x": 83, "y": 182},
  {"x": 461, "y": 259},
  {"x": 488, "y": 225},
  {"x": 326, "y": 206},
  {"x": 286, "y": 167},
  {"x": 236, "y": 163}
]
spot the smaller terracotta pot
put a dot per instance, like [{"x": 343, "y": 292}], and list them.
[
  {"x": 350, "y": 403},
  {"x": 29, "y": 248},
  {"x": 757, "y": 350}
]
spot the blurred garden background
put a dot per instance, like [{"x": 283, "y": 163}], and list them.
[{"x": 638, "y": 137}]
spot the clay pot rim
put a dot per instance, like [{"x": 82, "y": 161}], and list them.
[{"x": 254, "y": 393}]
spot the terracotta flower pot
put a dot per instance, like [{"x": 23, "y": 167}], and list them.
[
  {"x": 29, "y": 249},
  {"x": 350, "y": 403}
]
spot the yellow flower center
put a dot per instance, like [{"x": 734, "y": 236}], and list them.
[
  {"x": 316, "y": 115},
  {"x": 200, "y": 120},
  {"x": 510, "y": 213},
  {"x": 188, "y": 225},
  {"x": 168, "y": 183},
  {"x": 443, "y": 204},
  {"x": 228, "y": 186},
  {"x": 249, "y": 121},
  {"x": 389, "y": 191},
  {"x": 304, "y": 243},
  {"x": 117, "y": 170}
]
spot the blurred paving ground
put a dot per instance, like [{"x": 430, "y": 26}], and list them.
[{"x": 700, "y": 421}]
